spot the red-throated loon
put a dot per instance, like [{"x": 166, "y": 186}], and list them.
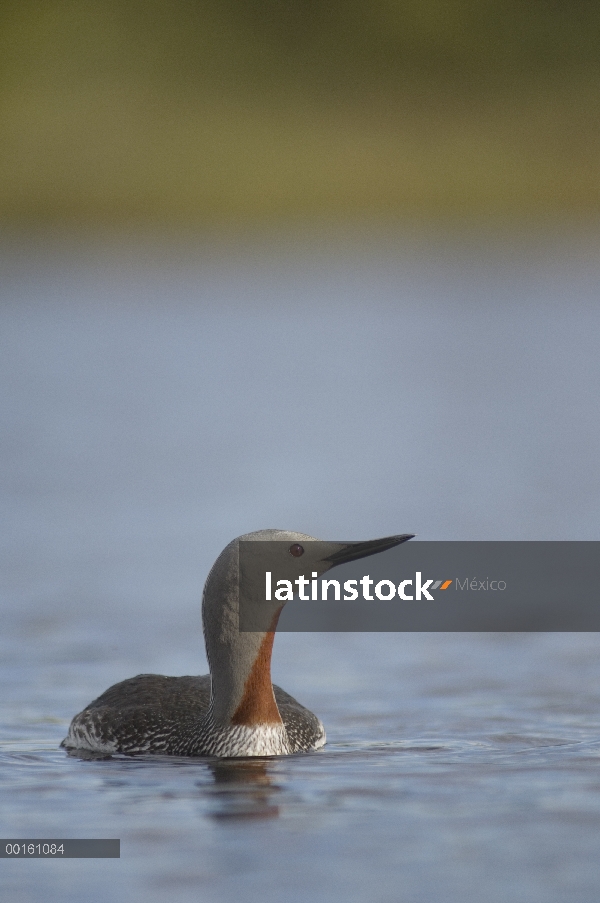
[{"x": 235, "y": 710}]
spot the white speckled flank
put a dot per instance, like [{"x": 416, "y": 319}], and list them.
[
  {"x": 236, "y": 710},
  {"x": 83, "y": 735},
  {"x": 240, "y": 740},
  {"x": 322, "y": 740},
  {"x": 237, "y": 740}
]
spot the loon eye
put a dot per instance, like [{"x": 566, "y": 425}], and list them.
[{"x": 296, "y": 550}]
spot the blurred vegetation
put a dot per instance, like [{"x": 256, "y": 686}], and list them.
[{"x": 217, "y": 111}]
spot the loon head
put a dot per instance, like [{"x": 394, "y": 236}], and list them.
[{"x": 240, "y": 661}]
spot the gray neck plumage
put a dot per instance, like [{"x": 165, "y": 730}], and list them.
[{"x": 240, "y": 663}]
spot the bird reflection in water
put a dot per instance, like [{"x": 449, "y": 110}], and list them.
[{"x": 243, "y": 789}]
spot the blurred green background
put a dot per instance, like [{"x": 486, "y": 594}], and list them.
[{"x": 200, "y": 112}]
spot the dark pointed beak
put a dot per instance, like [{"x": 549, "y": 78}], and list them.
[{"x": 354, "y": 550}]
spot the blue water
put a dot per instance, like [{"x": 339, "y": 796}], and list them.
[{"x": 159, "y": 400}]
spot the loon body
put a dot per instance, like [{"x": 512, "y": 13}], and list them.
[{"x": 235, "y": 710}]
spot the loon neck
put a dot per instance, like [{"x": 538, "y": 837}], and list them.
[
  {"x": 240, "y": 661},
  {"x": 241, "y": 687},
  {"x": 257, "y": 705}
]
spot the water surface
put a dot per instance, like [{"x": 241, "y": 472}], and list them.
[{"x": 154, "y": 407}]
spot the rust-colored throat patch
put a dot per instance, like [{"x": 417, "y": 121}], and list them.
[{"x": 258, "y": 704}]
